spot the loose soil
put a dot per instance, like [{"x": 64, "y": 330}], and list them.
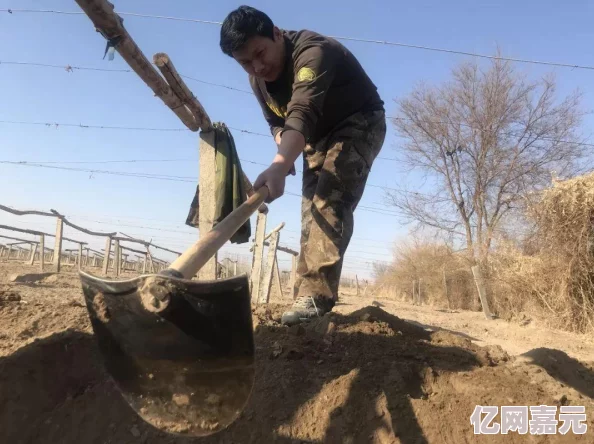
[{"x": 362, "y": 374}]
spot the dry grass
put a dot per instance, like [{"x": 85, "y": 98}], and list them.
[
  {"x": 560, "y": 275},
  {"x": 427, "y": 262},
  {"x": 553, "y": 283}
]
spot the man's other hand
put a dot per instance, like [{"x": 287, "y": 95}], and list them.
[{"x": 274, "y": 178}]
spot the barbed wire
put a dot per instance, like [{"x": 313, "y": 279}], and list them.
[
  {"x": 165, "y": 177},
  {"x": 255, "y": 133},
  {"x": 345, "y": 38}
]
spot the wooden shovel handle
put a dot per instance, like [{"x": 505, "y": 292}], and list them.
[{"x": 194, "y": 258}]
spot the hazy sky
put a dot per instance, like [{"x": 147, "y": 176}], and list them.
[{"x": 149, "y": 208}]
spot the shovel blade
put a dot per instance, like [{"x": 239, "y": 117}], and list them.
[{"x": 185, "y": 365}]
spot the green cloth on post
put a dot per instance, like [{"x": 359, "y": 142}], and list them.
[{"x": 229, "y": 188}]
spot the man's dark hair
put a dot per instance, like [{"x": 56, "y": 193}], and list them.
[{"x": 241, "y": 25}]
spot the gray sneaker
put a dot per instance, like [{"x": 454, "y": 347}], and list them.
[{"x": 303, "y": 310}]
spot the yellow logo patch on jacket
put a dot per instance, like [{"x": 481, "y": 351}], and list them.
[{"x": 306, "y": 74}]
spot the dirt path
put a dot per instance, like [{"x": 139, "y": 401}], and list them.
[{"x": 514, "y": 338}]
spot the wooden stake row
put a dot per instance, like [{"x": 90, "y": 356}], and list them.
[{"x": 266, "y": 275}]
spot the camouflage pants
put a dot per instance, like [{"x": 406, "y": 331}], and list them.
[{"x": 335, "y": 171}]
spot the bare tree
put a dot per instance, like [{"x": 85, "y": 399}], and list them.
[{"x": 484, "y": 139}]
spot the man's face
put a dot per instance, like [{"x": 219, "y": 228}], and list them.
[{"x": 262, "y": 57}]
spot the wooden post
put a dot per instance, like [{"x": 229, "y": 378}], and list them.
[
  {"x": 206, "y": 198},
  {"x": 87, "y": 257},
  {"x": 256, "y": 274},
  {"x": 9, "y": 253},
  {"x": 446, "y": 289},
  {"x": 277, "y": 279},
  {"x": 267, "y": 281},
  {"x": 419, "y": 291},
  {"x": 80, "y": 256},
  {"x": 41, "y": 252},
  {"x": 480, "y": 285},
  {"x": 117, "y": 257},
  {"x": 33, "y": 252},
  {"x": 293, "y": 279},
  {"x": 144, "y": 264},
  {"x": 58, "y": 243},
  {"x": 357, "y": 283},
  {"x": 235, "y": 268},
  {"x": 150, "y": 257},
  {"x": 107, "y": 253}
]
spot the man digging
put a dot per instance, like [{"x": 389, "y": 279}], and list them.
[{"x": 318, "y": 101}]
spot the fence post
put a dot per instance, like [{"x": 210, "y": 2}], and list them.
[
  {"x": 293, "y": 280},
  {"x": 277, "y": 279},
  {"x": 87, "y": 257},
  {"x": 107, "y": 253},
  {"x": 80, "y": 256},
  {"x": 256, "y": 274},
  {"x": 150, "y": 256},
  {"x": 144, "y": 264},
  {"x": 41, "y": 251},
  {"x": 33, "y": 251},
  {"x": 480, "y": 285},
  {"x": 267, "y": 281},
  {"x": 58, "y": 243},
  {"x": 357, "y": 284},
  {"x": 117, "y": 258},
  {"x": 206, "y": 197}
]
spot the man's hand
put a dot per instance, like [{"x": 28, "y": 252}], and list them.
[{"x": 274, "y": 178}]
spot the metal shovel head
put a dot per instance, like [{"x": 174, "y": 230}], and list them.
[{"x": 180, "y": 351}]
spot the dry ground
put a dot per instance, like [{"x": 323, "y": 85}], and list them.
[{"x": 364, "y": 374}]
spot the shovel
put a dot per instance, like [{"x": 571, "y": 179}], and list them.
[{"x": 180, "y": 351}]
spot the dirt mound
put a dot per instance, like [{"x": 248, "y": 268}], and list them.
[
  {"x": 29, "y": 278},
  {"x": 368, "y": 377},
  {"x": 7, "y": 297}
]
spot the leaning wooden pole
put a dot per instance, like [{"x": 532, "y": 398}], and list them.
[
  {"x": 109, "y": 24},
  {"x": 181, "y": 90}
]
